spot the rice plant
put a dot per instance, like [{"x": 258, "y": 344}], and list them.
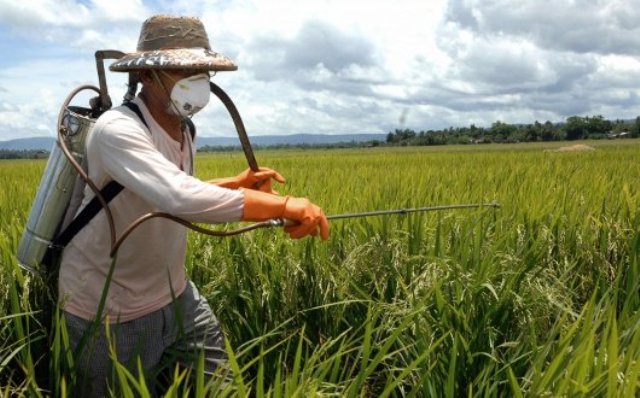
[{"x": 537, "y": 298}]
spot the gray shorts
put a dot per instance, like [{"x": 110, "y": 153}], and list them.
[{"x": 176, "y": 334}]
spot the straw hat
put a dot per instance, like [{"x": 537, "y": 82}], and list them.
[{"x": 171, "y": 42}]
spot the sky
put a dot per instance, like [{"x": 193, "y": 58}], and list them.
[{"x": 343, "y": 66}]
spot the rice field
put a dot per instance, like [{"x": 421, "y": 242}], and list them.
[{"x": 540, "y": 297}]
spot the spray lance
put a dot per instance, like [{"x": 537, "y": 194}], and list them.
[{"x": 60, "y": 192}]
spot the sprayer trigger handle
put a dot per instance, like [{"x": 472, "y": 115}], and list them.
[
  {"x": 283, "y": 222},
  {"x": 289, "y": 223}
]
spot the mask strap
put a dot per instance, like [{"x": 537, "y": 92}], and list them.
[{"x": 155, "y": 75}]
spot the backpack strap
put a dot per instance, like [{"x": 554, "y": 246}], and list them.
[
  {"x": 192, "y": 128},
  {"x": 53, "y": 254},
  {"x": 108, "y": 192},
  {"x": 136, "y": 109}
]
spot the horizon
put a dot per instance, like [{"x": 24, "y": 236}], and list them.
[{"x": 235, "y": 136}]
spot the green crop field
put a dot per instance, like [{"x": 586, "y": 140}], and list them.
[{"x": 540, "y": 297}]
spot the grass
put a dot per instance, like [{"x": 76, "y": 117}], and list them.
[{"x": 538, "y": 298}]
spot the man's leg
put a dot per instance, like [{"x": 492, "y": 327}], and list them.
[
  {"x": 140, "y": 338},
  {"x": 197, "y": 332}
]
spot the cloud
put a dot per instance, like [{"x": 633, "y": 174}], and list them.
[
  {"x": 78, "y": 24},
  {"x": 358, "y": 66},
  {"x": 25, "y": 15},
  {"x": 494, "y": 63},
  {"x": 589, "y": 26},
  {"x": 318, "y": 43},
  {"x": 20, "y": 121},
  {"x": 318, "y": 56},
  {"x": 337, "y": 60},
  {"x": 517, "y": 59}
]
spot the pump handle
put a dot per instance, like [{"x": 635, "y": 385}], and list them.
[
  {"x": 237, "y": 121},
  {"x": 103, "y": 102}
]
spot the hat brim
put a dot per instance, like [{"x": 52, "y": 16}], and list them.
[{"x": 178, "y": 58}]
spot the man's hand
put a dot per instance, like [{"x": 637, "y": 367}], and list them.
[
  {"x": 302, "y": 218},
  {"x": 249, "y": 179},
  {"x": 308, "y": 219}
]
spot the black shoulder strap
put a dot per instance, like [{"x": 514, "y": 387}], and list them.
[
  {"x": 136, "y": 109},
  {"x": 108, "y": 192},
  {"x": 192, "y": 128}
]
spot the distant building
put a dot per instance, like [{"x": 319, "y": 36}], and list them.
[{"x": 623, "y": 134}]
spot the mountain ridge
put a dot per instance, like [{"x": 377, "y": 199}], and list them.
[{"x": 46, "y": 143}]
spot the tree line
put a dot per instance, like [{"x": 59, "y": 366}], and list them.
[
  {"x": 23, "y": 154},
  {"x": 574, "y": 128}
]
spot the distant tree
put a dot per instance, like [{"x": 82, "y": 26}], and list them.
[
  {"x": 474, "y": 131},
  {"x": 391, "y": 138},
  {"x": 23, "y": 154},
  {"x": 635, "y": 128},
  {"x": 502, "y": 130},
  {"x": 597, "y": 126},
  {"x": 533, "y": 131},
  {"x": 575, "y": 128},
  {"x": 406, "y": 134},
  {"x": 548, "y": 132}
]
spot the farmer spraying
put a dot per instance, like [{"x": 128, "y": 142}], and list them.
[{"x": 154, "y": 313}]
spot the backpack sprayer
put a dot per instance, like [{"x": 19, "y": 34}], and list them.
[
  {"x": 63, "y": 182},
  {"x": 61, "y": 187}
]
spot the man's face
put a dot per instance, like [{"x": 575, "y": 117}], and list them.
[
  {"x": 186, "y": 91},
  {"x": 164, "y": 80},
  {"x": 160, "y": 83}
]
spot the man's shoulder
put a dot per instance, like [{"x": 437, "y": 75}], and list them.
[
  {"x": 118, "y": 114},
  {"x": 118, "y": 119},
  {"x": 117, "y": 127}
]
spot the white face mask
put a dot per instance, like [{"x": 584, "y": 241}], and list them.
[{"x": 190, "y": 95}]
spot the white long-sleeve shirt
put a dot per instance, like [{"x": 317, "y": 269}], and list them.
[{"x": 153, "y": 168}]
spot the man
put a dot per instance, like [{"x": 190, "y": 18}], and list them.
[{"x": 153, "y": 312}]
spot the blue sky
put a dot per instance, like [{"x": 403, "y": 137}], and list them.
[{"x": 350, "y": 66}]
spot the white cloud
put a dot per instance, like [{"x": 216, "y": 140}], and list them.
[
  {"x": 116, "y": 11},
  {"x": 598, "y": 26},
  {"x": 27, "y": 15},
  {"x": 345, "y": 66}
]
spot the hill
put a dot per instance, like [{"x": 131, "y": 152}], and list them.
[{"x": 28, "y": 144}]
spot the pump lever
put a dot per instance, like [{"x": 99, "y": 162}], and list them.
[
  {"x": 237, "y": 121},
  {"x": 103, "y": 102}
]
